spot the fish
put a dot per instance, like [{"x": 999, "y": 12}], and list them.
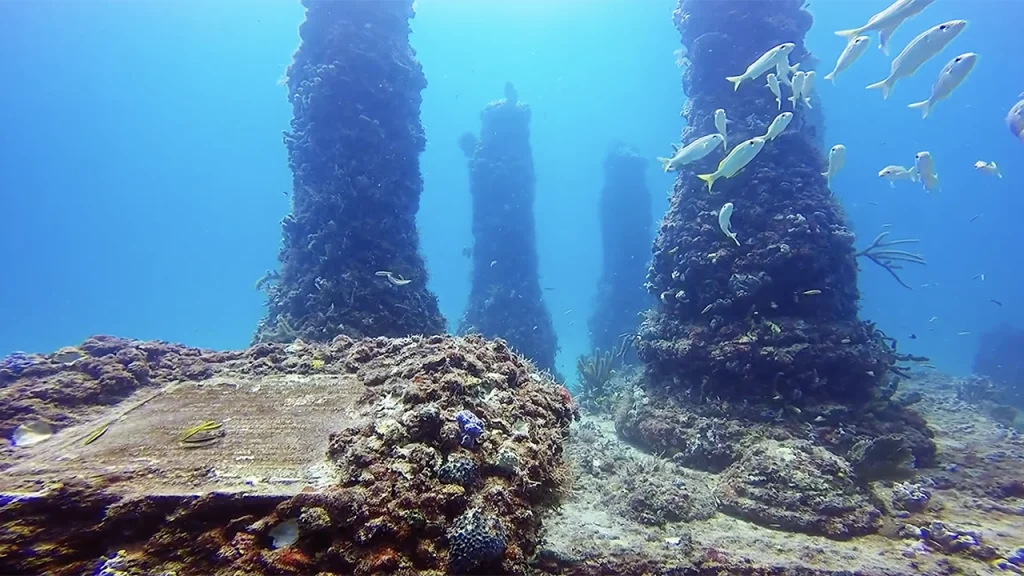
[
  {"x": 201, "y": 435},
  {"x": 854, "y": 48},
  {"x": 989, "y": 168},
  {"x": 973, "y": 218},
  {"x": 920, "y": 50},
  {"x": 962, "y": 333},
  {"x": 773, "y": 85},
  {"x": 810, "y": 292},
  {"x": 979, "y": 277},
  {"x": 396, "y": 280},
  {"x": 720, "y": 125},
  {"x": 707, "y": 308},
  {"x": 996, "y": 302},
  {"x": 778, "y": 125},
  {"x": 808, "y": 87},
  {"x": 951, "y": 76},
  {"x": 725, "y": 223},
  {"x": 692, "y": 152},
  {"x": 836, "y": 159},
  {"x": 894, "y": 172},
  {"x": 783, "y": 70},
  {"x": 764, "y": 63},
  {"x": 798, "y": 87},
  {"x": 887, "y": 21},
  {"x": 68, "y": 356},
  {"x": 925, "y": 167},
  {"x": 1015, "y": 119},
  {"x": 31, "y": 433},
  {"x": 739, "y": 157},
  {"x": 95, "y": 434}
]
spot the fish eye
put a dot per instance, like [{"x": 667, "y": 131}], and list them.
[{"x": 943, "y": 27}]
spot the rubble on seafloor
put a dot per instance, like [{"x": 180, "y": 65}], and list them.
[
  {"x": 441, "y": 455},
  {"x": 786, "y": 505}
]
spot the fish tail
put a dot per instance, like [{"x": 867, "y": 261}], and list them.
[
  {"x": 665, "y": 162},
  {"x": 736, "y": 81},
  {"x": 807, "y": 102},
  {"x": 709, "y": 178},
  {"x": 779, "y": 102},
  {"x": 923, "y": 105},
  {"x": 734, "y": 239},
  {"x": 885, "y": 85},
  {"x": 831, "y": 77},
  {"x": 848, "y": 34}
]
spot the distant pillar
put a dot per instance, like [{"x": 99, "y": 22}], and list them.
[
  {"x": 505, "y": 300},
  {"x": 626, "y": 249},
  {"x": 772, "y": 317},
  {"x": 350, "y": 261}
]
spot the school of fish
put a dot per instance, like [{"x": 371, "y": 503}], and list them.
[{"x": 775, "y": 63}]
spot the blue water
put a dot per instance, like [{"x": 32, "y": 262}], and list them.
[{"x": 143, "y": 177}]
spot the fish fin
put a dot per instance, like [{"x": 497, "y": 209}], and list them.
[
  {"x": 884, "y": 85},
  {"x": 848, "y": 34},
  {"x": 793, "y": 99},
  {"x": 914, "y": 174},
  {"x": 734, "y": 239},
  {"x": 831, "y": 77},
  {"x": 675, "y": 147},
  {"x": 736, "y": 81},
  {"x": 709, "y": 178},
  {"x": 883, "y": 40},
  {"x": 923, "y": 105},
  {"x": 892, "y": 184},
  {"x": 665, "y": 163},
  {"x": 807, "y": 102},
  {"x": 779, "y": 102}
]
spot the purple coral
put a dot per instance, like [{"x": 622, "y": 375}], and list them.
[
  {"x": 16, "y": 362},
  {"x": 471, "y": 427}
]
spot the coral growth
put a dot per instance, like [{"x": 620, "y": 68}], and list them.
[
  {"x": 505, "y": 299},
  {"x": 798, "y": 487},
  {"x": 776, "y": 316},
  {"x": 594, "y": 374},
  {"x": 625, "y": 249},
  {"x": 109, "y": 370},
  {"x": 353, "y": 148},
  {"x": 406, "y": 494}
]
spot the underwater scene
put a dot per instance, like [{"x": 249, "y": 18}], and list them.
[{"x": 475, "y": 287}]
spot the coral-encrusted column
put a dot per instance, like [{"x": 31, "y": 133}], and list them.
[
  {"x": 774, "y": 319},
  {"x": 350, "y": 263},
  {"x": 625, "y": 248},
  {"x": 505, "y": 300}
]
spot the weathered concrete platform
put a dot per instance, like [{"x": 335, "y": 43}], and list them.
[{"x": 275, "y": 438}]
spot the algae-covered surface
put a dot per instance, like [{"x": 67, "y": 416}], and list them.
[
  {"x": 273, "y": 437},
  {"x": 354, "y": 448}
]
